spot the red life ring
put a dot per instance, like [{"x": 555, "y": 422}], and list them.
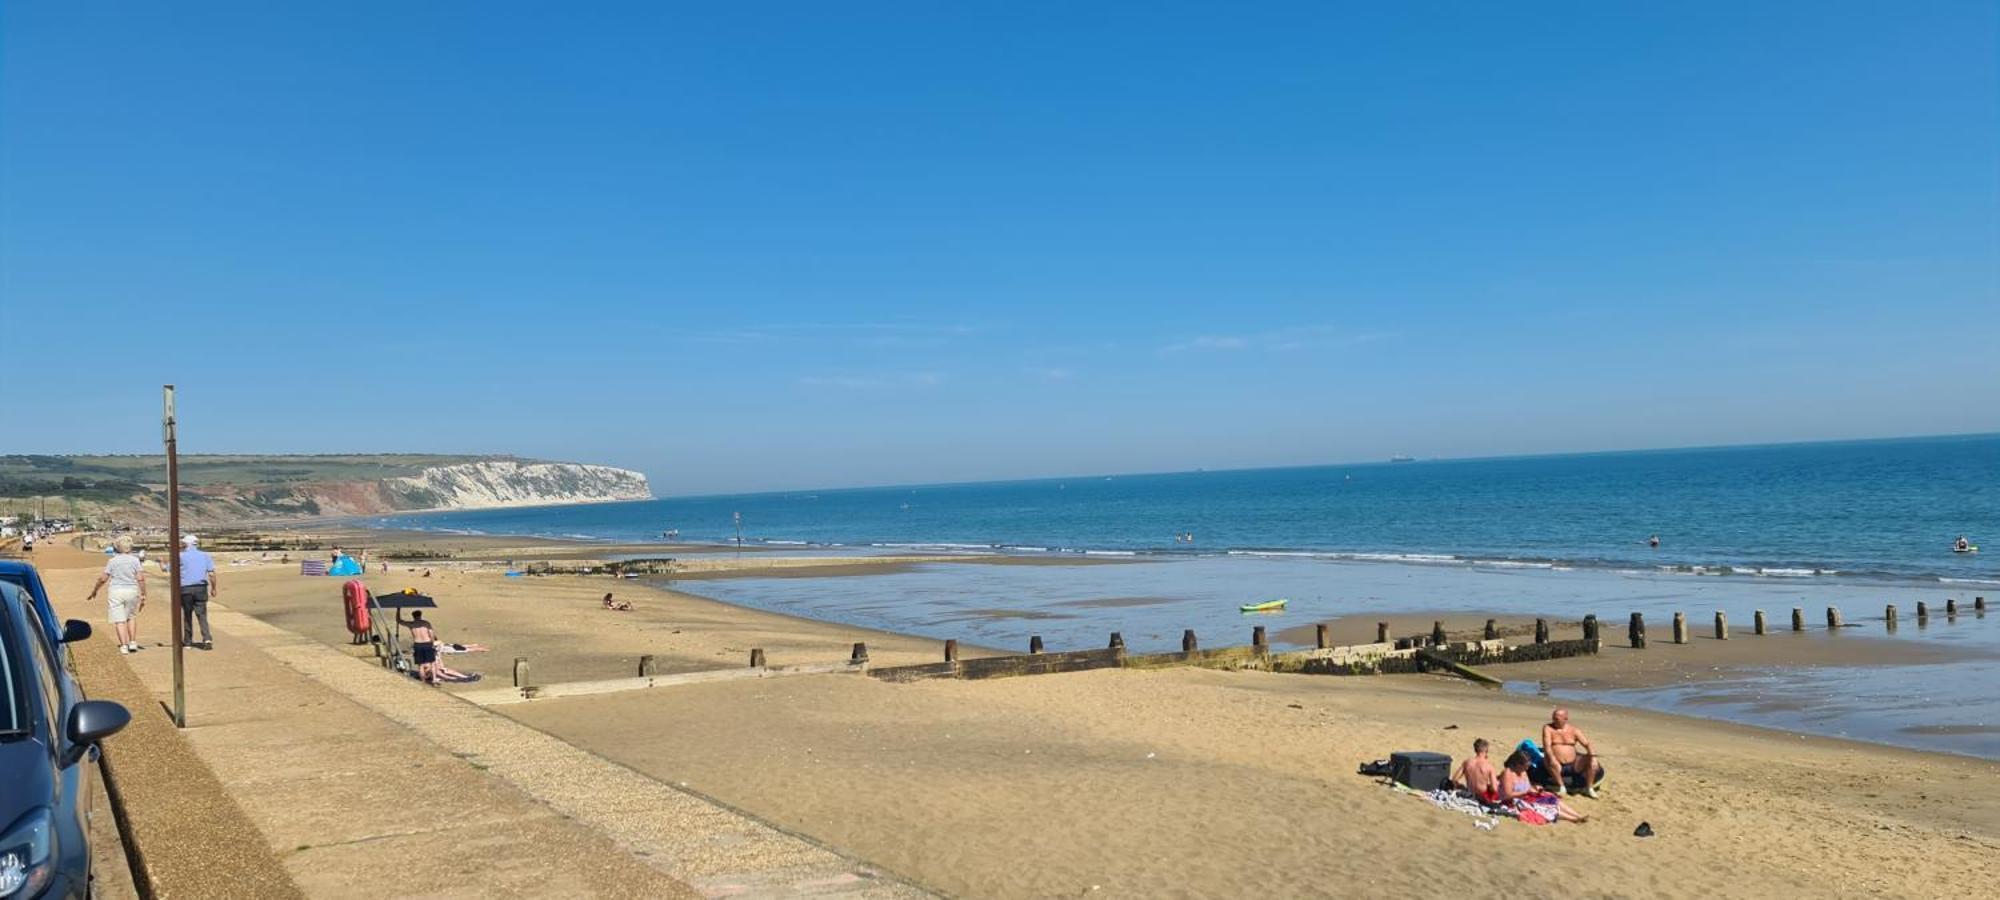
[{"x": 355, "y": 597}]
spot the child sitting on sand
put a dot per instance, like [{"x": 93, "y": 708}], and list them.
[
  {"x": 617, "y": 606},
  {"x": 1476, "y": 775}
]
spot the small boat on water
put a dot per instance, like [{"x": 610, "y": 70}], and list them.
[
  {"x": 1972, "y": 549},
  {"x": 1266, "y": 606}
]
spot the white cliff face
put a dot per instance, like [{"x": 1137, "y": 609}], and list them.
[{"x": 492, "y": 483}]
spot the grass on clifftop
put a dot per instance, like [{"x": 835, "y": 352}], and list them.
[{"x": 71, "y": 474}]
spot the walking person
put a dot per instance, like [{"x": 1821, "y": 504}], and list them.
[
  {"x": 198, "y": 584},
  {"x": 125, "y": 575}
]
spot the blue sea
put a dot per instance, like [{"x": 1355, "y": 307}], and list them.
[
  {"x": 1850, "y": 524},
  {"x": 1886, "y": 509}
]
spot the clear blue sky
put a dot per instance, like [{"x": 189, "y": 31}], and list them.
[{"x": 758, "y": 245}]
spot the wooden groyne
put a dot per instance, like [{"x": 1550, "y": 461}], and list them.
[
  {"x": 1431, "y": 651},
  {"x": 1407, "y": 655}
]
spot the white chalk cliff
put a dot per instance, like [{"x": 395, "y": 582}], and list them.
[{"x": 504, "y": 482}]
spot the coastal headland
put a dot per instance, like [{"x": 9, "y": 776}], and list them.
[{"x": 1174, "y": 782}]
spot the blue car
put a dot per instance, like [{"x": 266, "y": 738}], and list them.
[
  {"x": 24, "y": 576},
  {"x": 48, "y": 740}
]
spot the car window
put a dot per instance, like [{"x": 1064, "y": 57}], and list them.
[
  {"x": 44, "y": 665},
  {"x": 13, "y": 702}
]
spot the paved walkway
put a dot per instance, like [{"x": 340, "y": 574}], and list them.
[{"x": 365, "y": 781}]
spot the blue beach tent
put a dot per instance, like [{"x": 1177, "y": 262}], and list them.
[{"x": 344, "y": 565}]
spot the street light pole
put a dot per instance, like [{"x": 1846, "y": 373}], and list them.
[{"x": 174, "y": 555}]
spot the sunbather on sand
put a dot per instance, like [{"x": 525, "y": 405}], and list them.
[
  {"x": 1476, "y": 775},
  {"x": 1535, "y": 805},
  {"x": 616, "y": 605},
  {"x": 1570, "y": 754}
]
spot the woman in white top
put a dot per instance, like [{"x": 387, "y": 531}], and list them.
[{"x": 126, "y": 576}]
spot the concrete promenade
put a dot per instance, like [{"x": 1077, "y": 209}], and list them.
[{"x": 362, "y": 781}]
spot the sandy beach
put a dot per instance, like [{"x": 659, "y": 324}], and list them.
[{"x": 1184, "y": 782}]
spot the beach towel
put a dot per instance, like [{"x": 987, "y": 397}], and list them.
[
  {"x": 1537, "y": 809},
  {"x": 312, "y": 567}
]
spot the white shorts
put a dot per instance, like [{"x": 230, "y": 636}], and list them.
[{"x": 124, "y": 604}]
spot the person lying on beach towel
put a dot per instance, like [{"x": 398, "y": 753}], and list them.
[
  {"x": 617, "y": 605},
  {"x": 1534, "y": 805},
  {"x": 447, "y": 674},
  {"x": 462, "y": 648}
]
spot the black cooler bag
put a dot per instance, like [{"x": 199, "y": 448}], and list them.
[{"x": 1420, "y": 770}]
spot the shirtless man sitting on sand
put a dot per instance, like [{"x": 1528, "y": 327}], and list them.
[
  {"x": 1570, "y": 753},
  {"x": 1477, "y": 777}
]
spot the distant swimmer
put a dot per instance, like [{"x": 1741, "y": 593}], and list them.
[{"x": 1653, "y": 541}]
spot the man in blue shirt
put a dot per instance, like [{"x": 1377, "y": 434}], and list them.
[{"x": 197, "y": 585}]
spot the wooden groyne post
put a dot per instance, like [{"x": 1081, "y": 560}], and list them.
[
  {"x": 1923, "y": 612},
  {"x": 1758, "y": 622},
  {"x": 1638, "y": 631},
  {"x": 1950, "y": 607},
  {"x": 1117, "y": 641},
  {"x": 1798, "y": 619},
  {"x": 1257, "y": 638},
  {"x": 1437, "y": 634},
  {"x": 1381, "y": 632},
  {"x": 520, "y": 671},
  {"x": 1889, "y": 617},
  {"x": 1492, "y": 630},
  {"x": 1833, "y": 617},
  {"x": 860, "y": 654},
  {"x": 757, "y": 658},
  {"x": 1034, "y": 643},
  {"x": 646, "y": 668},
  {"x": 1541, "y": 630},
  {"x": 1590, "y": 627},
  {"x": 1188, "y": 642},
  {"x": 1320, "y": 638},
  {"x": 951, "y": 650},
  {"x": 1979, "y": 605},
  {"x": 1721, "y": 626},
  {"x": 1680, "y": 628}
]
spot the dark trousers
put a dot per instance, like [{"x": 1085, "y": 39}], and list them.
[{"x": 194, "y": 605}]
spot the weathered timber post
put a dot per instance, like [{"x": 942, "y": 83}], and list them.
[
  {"x": 1680, "y": 628},
  {"x": 1979, "y": 604},
  {"x": 1257, "y": 637},
  {"x": 1760, "y": 622},
  {"x": 860, "y": 654},
  {"x": 1832, "y": 617},
  {"x": 1381, "y": 632},
  {"x": 1034, "y": 643},
  {"x": 1950, "y": 606},
  {"x": 951, "y": 650},
  {"x": 1889, "y": 617},
  {"x": 1492, "y": 630},
  {"x": 1437, "y": 634},
  {"x": 1721, "y": 626},
  {"x": 1798, "y": 619},
  {"x": 1638, "y": 631},
  {"x": 520, "y": 671},
  {"x": 1320, "y": 638},
  {"x": 1590, "y": 627},
  {"x": 756, "y": 657},
  {"x": 1541, "y": 631},
  {"x": 1188, "y": 643},
  {"x": 1117, "y": 641},
  {"x": 646, "y": 666},
  {"x": 1923, "y": 612}
]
